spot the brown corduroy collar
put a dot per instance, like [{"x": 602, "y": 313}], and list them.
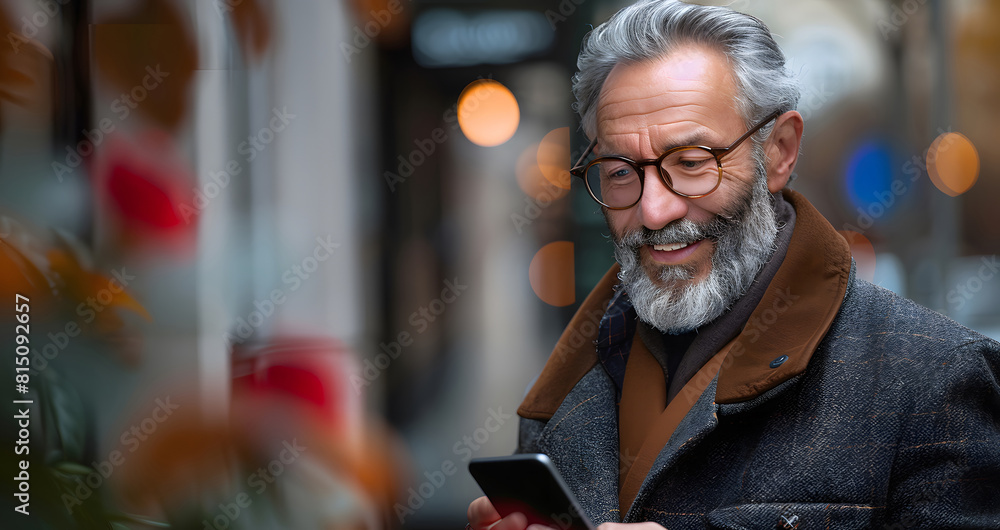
[{"x": 794, "y": 316}]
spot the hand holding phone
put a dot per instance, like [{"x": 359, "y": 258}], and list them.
[{"x": 529, "y": 484}]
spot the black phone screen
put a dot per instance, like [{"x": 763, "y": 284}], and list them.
[{"x": 529, "y": 484}]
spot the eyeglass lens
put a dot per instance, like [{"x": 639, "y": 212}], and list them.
[{"x": 617, "y": 183}]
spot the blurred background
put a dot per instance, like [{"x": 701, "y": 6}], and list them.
[{"x": 291, "y": 264}]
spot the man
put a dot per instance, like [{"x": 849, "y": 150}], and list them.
[{"x": 735, "y": 372}]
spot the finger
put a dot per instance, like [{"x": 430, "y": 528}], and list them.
[
  {"x": 482, "y": 514},
  {"x": 514, "y": 521},
  {"x": 539, "y": 527}
]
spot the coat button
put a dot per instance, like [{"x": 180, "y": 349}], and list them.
[
  {"x": 788, "y": 522},
  {"x": 779, "y": 361}
]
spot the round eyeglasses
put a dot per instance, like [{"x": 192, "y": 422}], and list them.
[{"x": 691, "y": 171}]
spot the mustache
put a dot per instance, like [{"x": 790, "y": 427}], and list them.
[{"x": 680, "y": 231}]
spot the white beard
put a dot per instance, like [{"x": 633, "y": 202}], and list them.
[{"x": 744, "y": 241}]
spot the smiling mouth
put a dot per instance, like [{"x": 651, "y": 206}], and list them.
[
  {"x": 670, "y": 247},
  {"x": 679, "y": 253}
]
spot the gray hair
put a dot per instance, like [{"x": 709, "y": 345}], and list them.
[{"x": 651, "y": 29}]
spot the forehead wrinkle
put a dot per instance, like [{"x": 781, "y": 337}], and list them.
[
  {"x": 651, "y": 108},
  {"x": 652, "y": 101},
  {"x": 645, "y": 108},
  {"x": 699, "y": 136},
  {"x": 689, "y": 131},
  {"x": 664, "y": 133},
  {"x": 656, "y": 119},
  {"x": 607, "y": 146}
]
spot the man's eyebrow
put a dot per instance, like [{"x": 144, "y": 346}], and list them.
[
  {"x": 700, "y": 137},
  {"x": 697, "y": 138}
]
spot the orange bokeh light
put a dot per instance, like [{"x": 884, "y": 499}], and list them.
[
  {"x": 953, "y": 163},
  {"x": 553, "y": 157},
  {"x": 531, "y": 180},
  {"x": 488, "y": 113},
  {"x": 863, "y": 252},
  {"x": 551, "y": 274}
]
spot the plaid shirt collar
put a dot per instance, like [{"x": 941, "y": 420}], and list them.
[{"x": 614, "y": 337}]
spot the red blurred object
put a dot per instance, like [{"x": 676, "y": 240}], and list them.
[
  {"x": 144, "y": 191},
  {"x": 138, "y": 199},
  {"x": 310, "y": 376},
  {"x": 300, "y": 388},
  {"x": 298, "y": 382}
]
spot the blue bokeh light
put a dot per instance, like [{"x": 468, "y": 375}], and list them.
[{"x": 869, "y": 173}]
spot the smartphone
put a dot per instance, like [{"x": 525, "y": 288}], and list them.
[{"x": 529, "y": 484}]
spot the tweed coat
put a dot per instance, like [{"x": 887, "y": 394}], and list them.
[{"x": 886, "y": 415}]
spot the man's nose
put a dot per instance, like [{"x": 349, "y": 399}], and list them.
[{"x": 659, "y": 206}]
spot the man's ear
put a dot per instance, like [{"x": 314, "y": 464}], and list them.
[{"x": 782, "y": 148}]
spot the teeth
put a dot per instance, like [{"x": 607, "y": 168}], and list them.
[{"x": 674, "y": 246}]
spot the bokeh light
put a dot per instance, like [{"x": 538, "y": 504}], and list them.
[
  {"x": 551, "y": 274},
  {"x": 953, "y": 163},
  {"x": 869, "y": 173},
  {"x": 531, "y": 179},
  {"x": 488, "y": 113},
  {"x": 553, "y": 157},
  {"x": 863, "y": 252}
]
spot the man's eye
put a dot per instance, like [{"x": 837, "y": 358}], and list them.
[
  {"x": 693, "y": 163},
  {"x": 617, "y": 172}
]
